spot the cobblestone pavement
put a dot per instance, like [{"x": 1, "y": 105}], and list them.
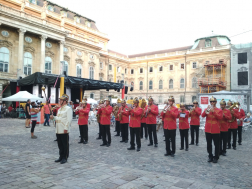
[{"x": 29, "y": 163}]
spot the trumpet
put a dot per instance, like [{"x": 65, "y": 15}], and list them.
[
  {"x": 147, "y": 111},
  {"x": 77, "y": 108},
  {"x": 166, "y": 108},
  {"x": 208, "y": 109},
  {"x": 192, "y": 109}
]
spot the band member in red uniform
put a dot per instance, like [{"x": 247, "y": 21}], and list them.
[
  {"x": 233, "y": 126},
  {"x": 143, "y": 121},
  {"x": 151, "y": 113},
  {"x": 118, "y": 129},
  {"x": 224, "y": 127},
  {"x": 105, "y": 111},
  {"x": 170, "y": 114},
  {"x": 241, "y": 118},
  {"x": 183, "y": 126},
  {"x": 195, "y": 113},
  {"x": 212, "y": 129},
  {"x": 135, "y": 125},
  {"x": 98, "y": 115},
  {"x": 83, "y": 112},
  {"x": 123, "y": 115}
]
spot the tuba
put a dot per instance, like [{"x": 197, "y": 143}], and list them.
[
  {"x": 115, "y": 111},
  {"x": 235, "y": 105}
]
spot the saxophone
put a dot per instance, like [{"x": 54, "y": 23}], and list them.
[{"x": 235, "y": 105}]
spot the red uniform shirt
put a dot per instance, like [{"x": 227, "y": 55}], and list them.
[
  {"x": 125, "y": 115},
  {"x": 83, "y": 116},
  {"x": 195, "y": 116},
  {"x": 170, "y": 118},
  {"x": 242, "y": 116},
  {"x": 183, "y": 121},
  {"x": 224, "y": 124},
  {"x": 152, "y": 115},
  {"x": 234, "y": 125},
  {"x": 212, "y": 121},
  {"x": 105, "y": 114},
  {"x": 135, "y": 117}
]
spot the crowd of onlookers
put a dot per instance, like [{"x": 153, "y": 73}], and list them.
[{"x": 10, "y": 111}]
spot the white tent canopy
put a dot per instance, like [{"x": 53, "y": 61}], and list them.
[
  {"x": 91, "y": 101},
  {"x": 22, "y": 96}
]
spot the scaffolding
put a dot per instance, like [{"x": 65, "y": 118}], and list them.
[{"x": 214, "y": 78}]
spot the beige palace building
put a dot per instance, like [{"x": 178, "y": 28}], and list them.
[{"x": 37, "y": 35}]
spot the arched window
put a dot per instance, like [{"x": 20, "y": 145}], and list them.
[
  {"x": 150, "y": 85},
  {"x": 27, "y": 63},
  {"x": 101, "y": 79},
  {"x": 194, "y": 82},
  {"x": 171, "y": 84},
  {"x": 78, "y": 70},
  {"x": 160, "y": 84},
  {"x": 141, "y": 85},
  {"x": 182, "y": 83},
  {"x": 4, "y": 59},
  {"x": 208, "y": 43},
  {"x": 91, "y": 72},
  {"x": 65, "y": 67},
  {"x": 118, "y": 81},
  {"x": 48, "y": 65},
  {"x": 92, "y": 95}
]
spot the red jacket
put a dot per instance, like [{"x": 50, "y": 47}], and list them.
[
  {"x": 183, "y": 121},
  {"x": 83, "y": 116},
  {"x": 152, "y": 115},
  {"x": 195, "y": 116},
  {"x": 242, "y": 116},
  {"x": 105, "y": 114},
  {"x": 135, "y": 117},
  {"x": 125, "y": 115},
  {"x": 212, "y": 121},
  {"x": 224, "y": 124},
  {"x": 234, "y": 125},
  {"x": 170, "y": 118}
]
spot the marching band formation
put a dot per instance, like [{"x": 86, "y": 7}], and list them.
[{"x": 221, "y": 124}]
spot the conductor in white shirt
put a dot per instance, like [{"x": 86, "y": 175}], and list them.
[{"x": 63, "y": 122}]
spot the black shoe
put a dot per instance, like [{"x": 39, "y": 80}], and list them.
[
  {"x": 186, "y": 149},
  {"x": 108, "y": 145},
  {"x": 172, "y": 155},
  {"x": 126, "y": 141},
  {"x": 181, "y": 149},
  {"x": 80, "y": 142},
  {"x": 223, "y": 153},
  {"x": 229, "y": 147},
  {"x": 167, "y": 154},
  {"x": 150, "y": 144},
  {"x": 63, "y": 161},
  {"x": 58, "y": 160},
  {"x": 197, "y": 144},
  {"x": 210, "y": 159},
  {"x": 85, "y": 142},
  {"x": 234, "y": 148},
  {"x": 117, "y": 135},
  {"x": 103, "y": 145},
  {"x": 98, "y": 138},
  {"x": 215, "y": 160},
  {"x": 122, "y": 141},
  {"x": 131, "y": 148},
  {"x": 115, "y": 131},
  {"x": 191, "y": 144},
  {"x": 138, "y": 149},
  {"x": 240, "y": 143},
  {"x": 156, "y": 145},
  {"x": 55, "y": 140}
]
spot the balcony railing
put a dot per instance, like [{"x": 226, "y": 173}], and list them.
[{"x": 211, "y": 82}]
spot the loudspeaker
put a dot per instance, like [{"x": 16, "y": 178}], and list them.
[
  {"x": 118, "y": 90},
  {"x": 126, "y": 90}
]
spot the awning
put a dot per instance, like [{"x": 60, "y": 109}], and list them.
[
  {"x": 22, "y": 96},
  {"x": 39, "y": 78}
]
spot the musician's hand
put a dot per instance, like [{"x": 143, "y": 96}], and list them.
[
  {"x": 212, "y": 110},
  {"x": 51, "y": 116},
  {"x": 232, "y": 111},
  {"x": 169, "y": 109},
  {"x": 129, "y": 108},
  {"x": 65, "y": 131},
  {"x": 149, "y": 109},
  {"x": 241, "y": 119}
]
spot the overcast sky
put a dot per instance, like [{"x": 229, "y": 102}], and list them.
[{"x": 136, "y": 26}]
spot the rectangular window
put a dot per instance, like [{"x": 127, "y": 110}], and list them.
[
  {"x": 182, "y": 66},
  {"x": 207, "y": 62},
  {"x": 242, "y": 58},
  {"x": 171, "y": 67},
  {"x": 125, "y": 70},
  {"x": 132, "y": 71},
  {"x": 118, "y": 69},
  {"x": 101, "y": 65},
  {"x": 141, "y": 70},
  {"x": 110, "y": 67},
  {"x": 160, "y": 100},
  {"x": 160, "y": 68},
  {"x": 194, "y": 65},
  {"x": 151, "y": 69},
  {"x": 242, "y": 78},
  {"x": 221, "y": 61},
  {"x": 182, "y": 99}
]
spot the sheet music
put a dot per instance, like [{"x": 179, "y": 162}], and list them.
[{"x": 182, "y": 115}]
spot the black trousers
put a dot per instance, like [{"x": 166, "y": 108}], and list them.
[
  {"x": 170, "y": 141},
  {"x": 145, "y": 128},
  {"x": 135, "y": 133},
  {"x": 33, "y": 126},
  {"x": 118, "y": 128},
  {"x": 192, "y": 129},
  {"x": 223, "y": 141},
  {"x": 184, "y": 137},
  {"x": 63, "y": 144},
  {"x": 84, "y": 132},
  {"x": 100, "y": 130},
  {"x": 125, "y": 131},
  {"x": 216, "y": 139},
  {"x": 239, "y": 134},
  {"x": 106, "y": 135},
  {"x": 234, "y": 131},
  {"x": 152, "y": 131}
]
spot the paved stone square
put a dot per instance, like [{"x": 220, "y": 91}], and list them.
[{"x": 29, "y": 163}]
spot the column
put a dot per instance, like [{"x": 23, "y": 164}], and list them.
[
  {"x": 42, "y": 63},
  {"x": 61, "y": 43},
  {"x": 21, "y": 52}
]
